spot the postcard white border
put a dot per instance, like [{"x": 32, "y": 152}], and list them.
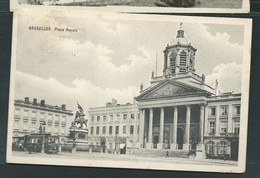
[{"x": 140, "y": 165}]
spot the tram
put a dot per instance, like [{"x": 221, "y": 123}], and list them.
[{"x": 37, "y": 142}]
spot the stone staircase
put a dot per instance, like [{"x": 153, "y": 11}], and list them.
[{"x": 161, "y": 153}]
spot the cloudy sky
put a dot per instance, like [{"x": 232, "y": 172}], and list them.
[{"x": 109, "y": 58}]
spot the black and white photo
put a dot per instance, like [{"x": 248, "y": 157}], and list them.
[{"x": 129, "y": 91}]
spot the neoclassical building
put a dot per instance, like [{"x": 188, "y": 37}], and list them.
[
  {"x": 114, "y": 126},
  {"x": 179, "y": 111},
  {"x": 29, "y": 115}
]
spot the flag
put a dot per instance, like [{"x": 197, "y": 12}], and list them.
[{"x": 80, "y": 108}]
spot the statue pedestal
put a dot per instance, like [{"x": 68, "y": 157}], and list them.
[{"x": 74, "y": 150}]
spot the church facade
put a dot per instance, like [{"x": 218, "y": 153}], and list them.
[{"x": 179, "y": 111}]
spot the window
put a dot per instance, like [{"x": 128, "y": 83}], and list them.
[
  {"x": 173, "y": 59},
  {"x": 124, "y": 129},
  {"x": 223, "y": 126},
  {"x": 212, "y": 112},
  {"x": 236, "y": 127},
  {"x": 17, "y": 111},
  {"x": 97, "y": 130},
  {"x": 132, "y": 116},
  {"x": 26, "y": 113},
  {"x": 236, "y": 110},
  {"x": 42, "y": 115},
  {"x": 49, "y": 124},
  {"x": 63, "y": 125},
  {"x": 210, "y": 147},
  {"x": 117, "y": 129},
  {"x": 111, "y": 117},
  {"x": 118, "y": 117},
  {"x": 92, "y": 118},
  {"x": 104, "y": 130},
  {"x": 104, "y": 118},
  {"x": 212, "y": 127},
  {"x": 57, "y": 124},
  {"x": 138, "y": 129},
  {"x": 34, "y": 114},
  {"x": 183, "y": 57},
  {"x": 25, "y": 124},
  {"x": 224, "y": 111},
  {"x": 98, "y": 118},
  {"x": 25, "y": 121},
  {"x": 110, "y": 129},
  {"x": 16, "y": 124},
  {"x": 125, "y": 116},
  {"x": 34, "y": 122},
  {"x": 91, "y": 130},
  {"x": 131, "y": 129},
  {"x": 222, "y": 147}
]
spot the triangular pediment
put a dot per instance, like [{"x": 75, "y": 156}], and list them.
[{"x": 169, "y": 89}]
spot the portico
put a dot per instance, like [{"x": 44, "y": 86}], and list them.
[{"x": 171, "y": 127}]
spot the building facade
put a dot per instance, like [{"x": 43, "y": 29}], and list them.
[
  {"x": 30, "y": 115},
  {"x": 178, "y": 111},
  {"x": 115, "y": 126}
]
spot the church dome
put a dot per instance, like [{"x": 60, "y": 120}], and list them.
[{"x": 180, "y": 38}]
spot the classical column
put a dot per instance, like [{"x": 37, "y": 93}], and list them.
[
  {"x": 200, "y": 153},
  {"x": 206, "y": 122},
  {"x": 186, "y": 145},
  {"x": 150, "y": 134},
  {"x": 174, "y": 145},
  {"x": 202, "y": 108},
  {"x": 141, "y": 127},
  {"x": 160, "y": 144}
]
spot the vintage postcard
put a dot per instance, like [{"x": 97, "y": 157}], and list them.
[
  {"x": 129, "y": 91},
  {"x": 141, "y": 6}
]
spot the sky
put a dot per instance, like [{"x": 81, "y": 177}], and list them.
[{"x": 110, "y": 58}]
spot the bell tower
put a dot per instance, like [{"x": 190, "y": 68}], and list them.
[{"x": 179, "y": 56}]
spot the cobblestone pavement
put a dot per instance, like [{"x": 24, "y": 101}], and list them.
[{"x": 127, "y": 158}]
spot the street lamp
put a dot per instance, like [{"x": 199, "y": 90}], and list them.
[{"x": 42, "y": 129}]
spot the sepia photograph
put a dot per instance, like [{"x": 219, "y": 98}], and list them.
[
  {"x": 129, "y": 91},
  {"x": 167, "y": 6}
]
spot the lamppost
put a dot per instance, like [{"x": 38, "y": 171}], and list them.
[
  {"x": 42, "y": 129},
  {"x": 116, "y": 144}
]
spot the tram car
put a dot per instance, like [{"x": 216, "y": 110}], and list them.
[{"x": 35, "y": 142}]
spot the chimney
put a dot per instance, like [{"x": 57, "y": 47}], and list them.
[
  {"x": 35, "y": 101},
  {"x": 114, "y": 102},
  {"x": 43, "y": 102},
  {"x": 108, "y": 104},
  {"x": 63, "y": 106},
  {"x": 26, "y": 99}
]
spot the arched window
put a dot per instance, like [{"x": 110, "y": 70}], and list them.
[
  {"x": 183, "y": 59},
  {"x": 222, "y": 147},
  {"x": 173, "y": 62},
  {"x": 210, "y": 147}
]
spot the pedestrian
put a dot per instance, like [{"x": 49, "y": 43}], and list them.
[{"x": 167, "y": 154}]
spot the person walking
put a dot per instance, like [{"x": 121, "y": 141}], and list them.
[{"x": 167, "y": 154}]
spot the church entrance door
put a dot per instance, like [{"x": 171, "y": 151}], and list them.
[{"x": 180, "y": 135}]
